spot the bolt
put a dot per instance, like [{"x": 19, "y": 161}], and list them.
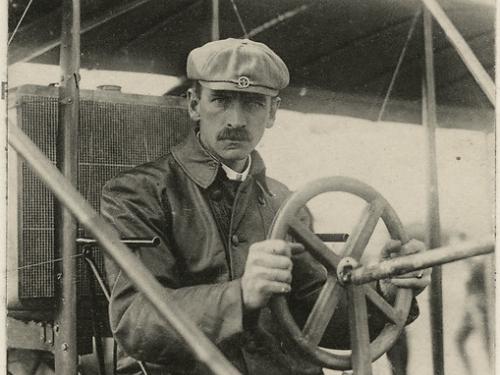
[{"x": 65, "y": 347}]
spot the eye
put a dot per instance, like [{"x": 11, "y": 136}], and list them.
[
  {"x": 220, "y": 100},
  {"x": 255, "y": 103}
]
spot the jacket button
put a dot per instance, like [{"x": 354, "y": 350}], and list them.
[
  {"x": 216, "y": 195},
  {"x": 251, "y": 346},
  {"x": 235, "y": 240}
]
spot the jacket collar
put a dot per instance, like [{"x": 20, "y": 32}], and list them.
[{"x": 202, "y": 168}]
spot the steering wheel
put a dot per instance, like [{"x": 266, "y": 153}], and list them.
[{"x": 362, "y": 352}]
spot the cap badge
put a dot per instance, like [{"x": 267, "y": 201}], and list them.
[{"x": 243, "y": 82}]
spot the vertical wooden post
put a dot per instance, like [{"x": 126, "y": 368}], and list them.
[
  {"x": 433, "y": 226},
  {"x": 464, "y": 51},
  {"x": 489, "y": 269},
  {"x": 215, "y": 35},
  {"x": 358, "y": 330},
  {"x": 67, "y": 161},
  {"x": 3, "y": 186}
]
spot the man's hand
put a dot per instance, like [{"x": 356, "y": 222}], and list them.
[
  {"x": 416, "y": 280},
  {"x": 268, "y": 271}
]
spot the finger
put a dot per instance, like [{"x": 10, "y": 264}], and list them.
[
  {"x": 273, "y": 261},
  {"x": 412, "y": 283},
  {"x": 297, "y": 248},
  {"x": 275, "y": 287},
  {"x": 277, "y": 247},
  {"x": 273, "y": 274},
  {"x": 409, "y": 275},
  {"x": 391, "y": 247},
  {"x": 412, "y": 247}
]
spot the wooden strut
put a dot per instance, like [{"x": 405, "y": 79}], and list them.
[
  {"x": 466, "y": 54},
  {"x": 433, "y": 225},
  {"x": 215, "y": 27},
  {"x": 65, "y": 353},
  {"x": 202, "y": 348}
]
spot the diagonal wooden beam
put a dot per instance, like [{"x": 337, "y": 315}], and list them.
[{"x": 465, "y": 52}]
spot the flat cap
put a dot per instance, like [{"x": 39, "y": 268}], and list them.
[{"x": 238, "y": 65}]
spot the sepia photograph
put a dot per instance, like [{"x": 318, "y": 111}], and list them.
[{"x": 236, "y": 187}]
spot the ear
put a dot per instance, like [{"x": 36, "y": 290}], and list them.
[
  {"x": 193, "y": 105},
  {"x": 275, "y": 104}
]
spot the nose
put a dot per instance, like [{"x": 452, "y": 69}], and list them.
[{"x": 236, "y": 116}]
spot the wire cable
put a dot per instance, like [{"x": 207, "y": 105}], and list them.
[
  {"x": 40, "y": 263},
  {"x": 400, "y": 62},
  {"x": 240, "y": 20},
  {"x": 19, "y": 23}
]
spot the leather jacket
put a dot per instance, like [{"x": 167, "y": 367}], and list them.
[{"x": 169, "y": 198}]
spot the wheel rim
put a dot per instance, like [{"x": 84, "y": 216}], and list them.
[{"x": 377, "y": 208}]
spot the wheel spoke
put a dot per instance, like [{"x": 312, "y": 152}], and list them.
[
  {"x": 316, "y": 247},
  {"x": 356, "y": 244},
  {"x": 323, "y": 310},
  {"x": 358, "y": 329},
  {"x": 383, "y": 305}
]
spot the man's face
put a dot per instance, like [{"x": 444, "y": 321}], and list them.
[{"x": 231, "y": 122}]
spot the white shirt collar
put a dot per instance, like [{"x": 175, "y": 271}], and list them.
[
  {"x": 230, "y": 173},
  {"x": 237, "y": 176}
]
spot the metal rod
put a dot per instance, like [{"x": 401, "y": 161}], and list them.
[
  {"x": 19, "y": 22},
  {"x": 215, "y": 32},
  {"x": 433, "y": 226},
  {"x": 109, "y": 240},
  {"x": 132, "y": 242},
  {"x": 66, "y": 354},
  {"x": 465, "y": 52},
  {"x": 413, "y": 262},
  {"x": 97, "y": 276},
  {"x": 333, "y": 237},
  {"x": 399, "y": 64},
  {"x": 277, "y": 20}
]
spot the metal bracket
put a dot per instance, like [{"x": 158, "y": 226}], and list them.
[
  {"x": 344, "y": 269},
  {"x": 30, "y": 335}
]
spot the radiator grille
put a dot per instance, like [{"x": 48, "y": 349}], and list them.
[{"x": 116, "y": 133}]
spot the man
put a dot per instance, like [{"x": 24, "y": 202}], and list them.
[{"x": 211, "y": 203}]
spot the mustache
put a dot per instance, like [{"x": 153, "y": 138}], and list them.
[{"x": 233, "y": 134}]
